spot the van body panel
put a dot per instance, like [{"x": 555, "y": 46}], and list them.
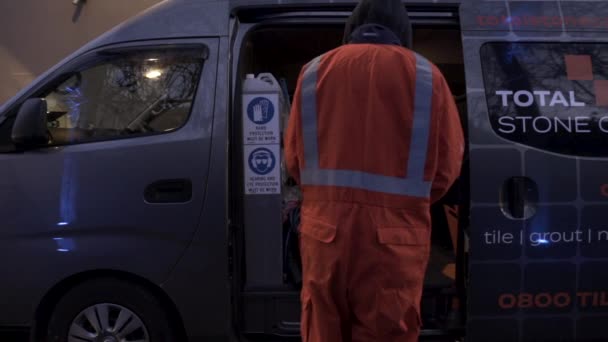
[
  {"x": 544, "y": 16},
  {"x": 200, "y": 284},
  {"x": 75, "y": 208},
  {"x": 60, "y": 222},
  {"x": 538, "y": 243}
]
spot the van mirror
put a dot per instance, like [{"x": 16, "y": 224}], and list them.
[{"x": 30, "y": 127}]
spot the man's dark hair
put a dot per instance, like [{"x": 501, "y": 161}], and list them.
[{"x": 388, "y": 13}]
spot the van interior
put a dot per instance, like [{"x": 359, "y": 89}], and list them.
[{"x": 265, "y": 252}]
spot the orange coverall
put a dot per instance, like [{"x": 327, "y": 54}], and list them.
[{"x": 374, "y": 137}]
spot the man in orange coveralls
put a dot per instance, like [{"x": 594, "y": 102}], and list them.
[{"x": 373, "y": 139}]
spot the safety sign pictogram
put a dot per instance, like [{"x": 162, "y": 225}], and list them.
[
  {"x": 262, "y": 174},
  {"x": 261, "y": 119},
  {"x": 262, "y": 161}
]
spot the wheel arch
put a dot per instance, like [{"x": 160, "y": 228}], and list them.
[{"x": 46, "y": 306}]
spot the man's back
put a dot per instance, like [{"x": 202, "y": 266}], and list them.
[
  {"x": 379, "y": 110},
  {"x": 365, "y": 106}
]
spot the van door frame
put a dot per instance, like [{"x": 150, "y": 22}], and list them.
[{"x": 238, "y": 34}]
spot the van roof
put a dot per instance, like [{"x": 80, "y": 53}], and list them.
[{"x": 195, "y": 18}]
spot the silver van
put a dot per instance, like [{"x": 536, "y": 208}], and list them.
[{"x": 129, "y": 210}]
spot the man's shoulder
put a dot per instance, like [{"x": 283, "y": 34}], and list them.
[
  {"x": 393, "y": 52},
  {"x": 323, "y": 57}
]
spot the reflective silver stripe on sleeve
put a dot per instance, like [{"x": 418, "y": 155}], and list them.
[
  {"x": 413, "y": 185},
  {"x": 309, "y": 115},
  {"x": 422, "y": 119}
]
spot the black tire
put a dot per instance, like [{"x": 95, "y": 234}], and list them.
[{"x": 114, "y": 291}]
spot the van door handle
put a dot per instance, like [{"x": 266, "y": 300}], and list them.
[
  {"x": 519, "y": 197},
  {"x": 169, "y": 191}
]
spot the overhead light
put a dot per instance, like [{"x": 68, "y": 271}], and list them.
[
  {"x": 152, "y": 59},
  {"x": 153, "y": 73}
]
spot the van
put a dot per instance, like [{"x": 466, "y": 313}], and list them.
[{"x": 130, "y": 211}]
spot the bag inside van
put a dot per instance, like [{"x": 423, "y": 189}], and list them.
[{"x": 282, "y": 51}]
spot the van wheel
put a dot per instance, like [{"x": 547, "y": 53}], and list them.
[{"x": 109, "y": 310}]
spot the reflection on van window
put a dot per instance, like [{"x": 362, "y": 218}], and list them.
[
  {"x": 125, "y": 94},
  {"x": 552, "y": 96}
]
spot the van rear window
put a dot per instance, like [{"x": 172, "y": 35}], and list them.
[{"x": 551, "y": 96}]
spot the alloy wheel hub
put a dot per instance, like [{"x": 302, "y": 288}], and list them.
[{"x": 107, "y": 323}]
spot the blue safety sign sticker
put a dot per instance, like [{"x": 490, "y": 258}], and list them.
[
  {"x": 261, "y": 119},
  {"x": 262, "y": 161},
  {"x": 262, "y": 165},
  {"x": 260, "y": 110}
]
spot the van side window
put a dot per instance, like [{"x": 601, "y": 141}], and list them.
[
  {"x": 550, "y": 96},
  {"x": 124, "y": 94}
]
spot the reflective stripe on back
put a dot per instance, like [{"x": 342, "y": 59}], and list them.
[
  {"x": 413, "y": 185},
  {"x": 422, "y": 119},
  {"x": 365, "y": 181},
  {"x": 309, "y": 120}
]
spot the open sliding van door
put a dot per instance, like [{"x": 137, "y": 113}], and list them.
[{"x": 538, "y": 124}]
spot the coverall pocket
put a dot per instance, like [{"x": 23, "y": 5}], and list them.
[
  {"x": 406, "y": 250},
  {"x": 403, "y": 236},
  {"x": 318, "y": 230},
  {"x": 396, "y": 316}
]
